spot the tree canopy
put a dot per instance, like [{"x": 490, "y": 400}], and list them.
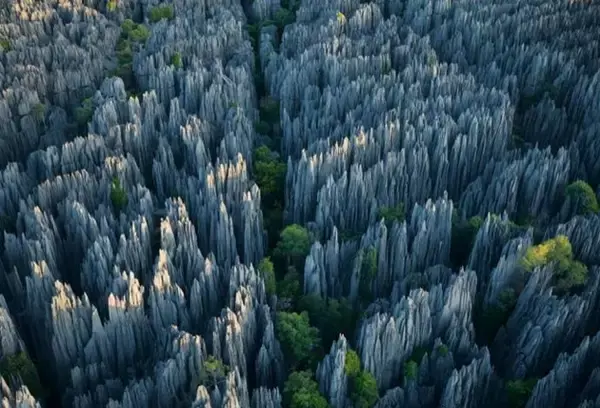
[
  {"x": 298, "y": 338},
  {"x": 267, "y": 271},
  {"x": 569, "y": 274},
  {"x": 583, "y": 197},
  {"x": 302, "y": 391},
  {"x": 294, "y": 245}
]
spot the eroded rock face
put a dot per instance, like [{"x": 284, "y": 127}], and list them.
[{"x": 395, "y": 118}]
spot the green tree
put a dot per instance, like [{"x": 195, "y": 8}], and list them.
[
  {"x": 289, "y": 287},
  {"x": 331, "y": 316},
  {"x": 363, "y": 390},
  {"x": 368, "y": 272},
  {"x": 269, "y": 174},
  {"x": 213, "y": 371},
  {"x": 391, "y": 214},
  {"x": 568, "y": 275},
  {"x": 140, "y": 33},
  {"x": 118, "y": 196},
  {"x": 519, "y": 391},
  {"x": 583, "y": 197},
  {"x": 176, "y": 60},
  {"x": 158, "y": 13},
  {"x": 294, "y": 245},
  {"x": 19, "y": 364},
  {"x": 267, "y": 271},
  {"x": 298, "y": 338},
  {"x": 84, "y": 113},
  {"x": 351, "y": 364},
  {"x": 302, "y": 391}
]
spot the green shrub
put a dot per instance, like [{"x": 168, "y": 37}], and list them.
[
  {"x": 302, "y": 391},
  {"x": 140, "y": 33},
  {"x": 569, "y": 274},
  {"x": 298, "y": 338},
  {"x": 20, "y": 364},
  {"x": 443, "y": 350},
  {"x": 363, "y": 390},
  {"x": 127, "y": 26},
  {"x": 391, "y": 214},
  {"x": 351, "y": 363},
  {"x": 269, "y": 110},
  {"x": 341, "y": 18},
  {"x": 411, "y": 370},
  {"x": 5, "y": 44},
  {"x": 84, "y": 113},
  {"x": 293, "y": 246},
  {"x": 111, "y": 5},
  {"x": 176, "y": 60},
  {"x": 39, "y": 111},
  {"x": 118, "y": 196},
  {"x": 213, "y": 371},
  {"x": 331, "y": 317},
  {"x": 158, "y": 13},
  {"x": 519, "y": 391},
  {"x": 267, "y": 271},
  {"x": 368, "y": 272},
  {"x": 582, "y": 194}
]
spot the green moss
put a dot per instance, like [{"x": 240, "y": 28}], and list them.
[
  {"x": 582, "y": 194},
  {"x": 161, "y": 12}
]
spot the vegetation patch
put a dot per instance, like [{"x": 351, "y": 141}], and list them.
[
  {"x": 569, "y": 274},
  {"x": 118, "y": 196},
  {"x": 583, "y": 196},
  {"x": 391, "y": 214},
  {"x": 164, "y": 12},
  {"x": 519, "y": 391},
  {"x": 463, "y": 238},
  {"x": 20, "y": 365}
]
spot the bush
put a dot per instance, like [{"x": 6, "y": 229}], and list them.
[
  {"x": 301, "y": 391},
  {"x": 127, "y": 26},
  {"x": 569, "y": 274},
  {"x": 442, "y": 350},
  {"x": 352, "y": 364},
  {"x": 298, "y": 338},
  {"x": 118, "y": 196},
  {"x": 20, "y": 365},
  {"x": 583, "y": 196},
  {"x": 368, "y": 272},
  {"x": 331, "y": 317},
  {"x": 391, "y": 214},
  {"x": 161, "y": 12},
  {"x": 267, "y": 271},
  {"x": 176, "y": 60},
  {"x": 5, "y": 44},
  {"x": 410, "y": 370},
  {"x": 293, "y": 246},
  {"x": 111, "y": 5},
  {"x": 269, "y": 174},
  {"x": 519, "y": 391},
  {"x": 213, "y": 371},
  {"x": 140, "y": 33},
  {"x": 364, "y": 393},
  {"x": 289, "y": 287},
  {"x": 39, "y": 111},
  {"x": 84, "y": 113}
]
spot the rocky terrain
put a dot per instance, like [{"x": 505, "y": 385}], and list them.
[{"x": 299, "y": 204}]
